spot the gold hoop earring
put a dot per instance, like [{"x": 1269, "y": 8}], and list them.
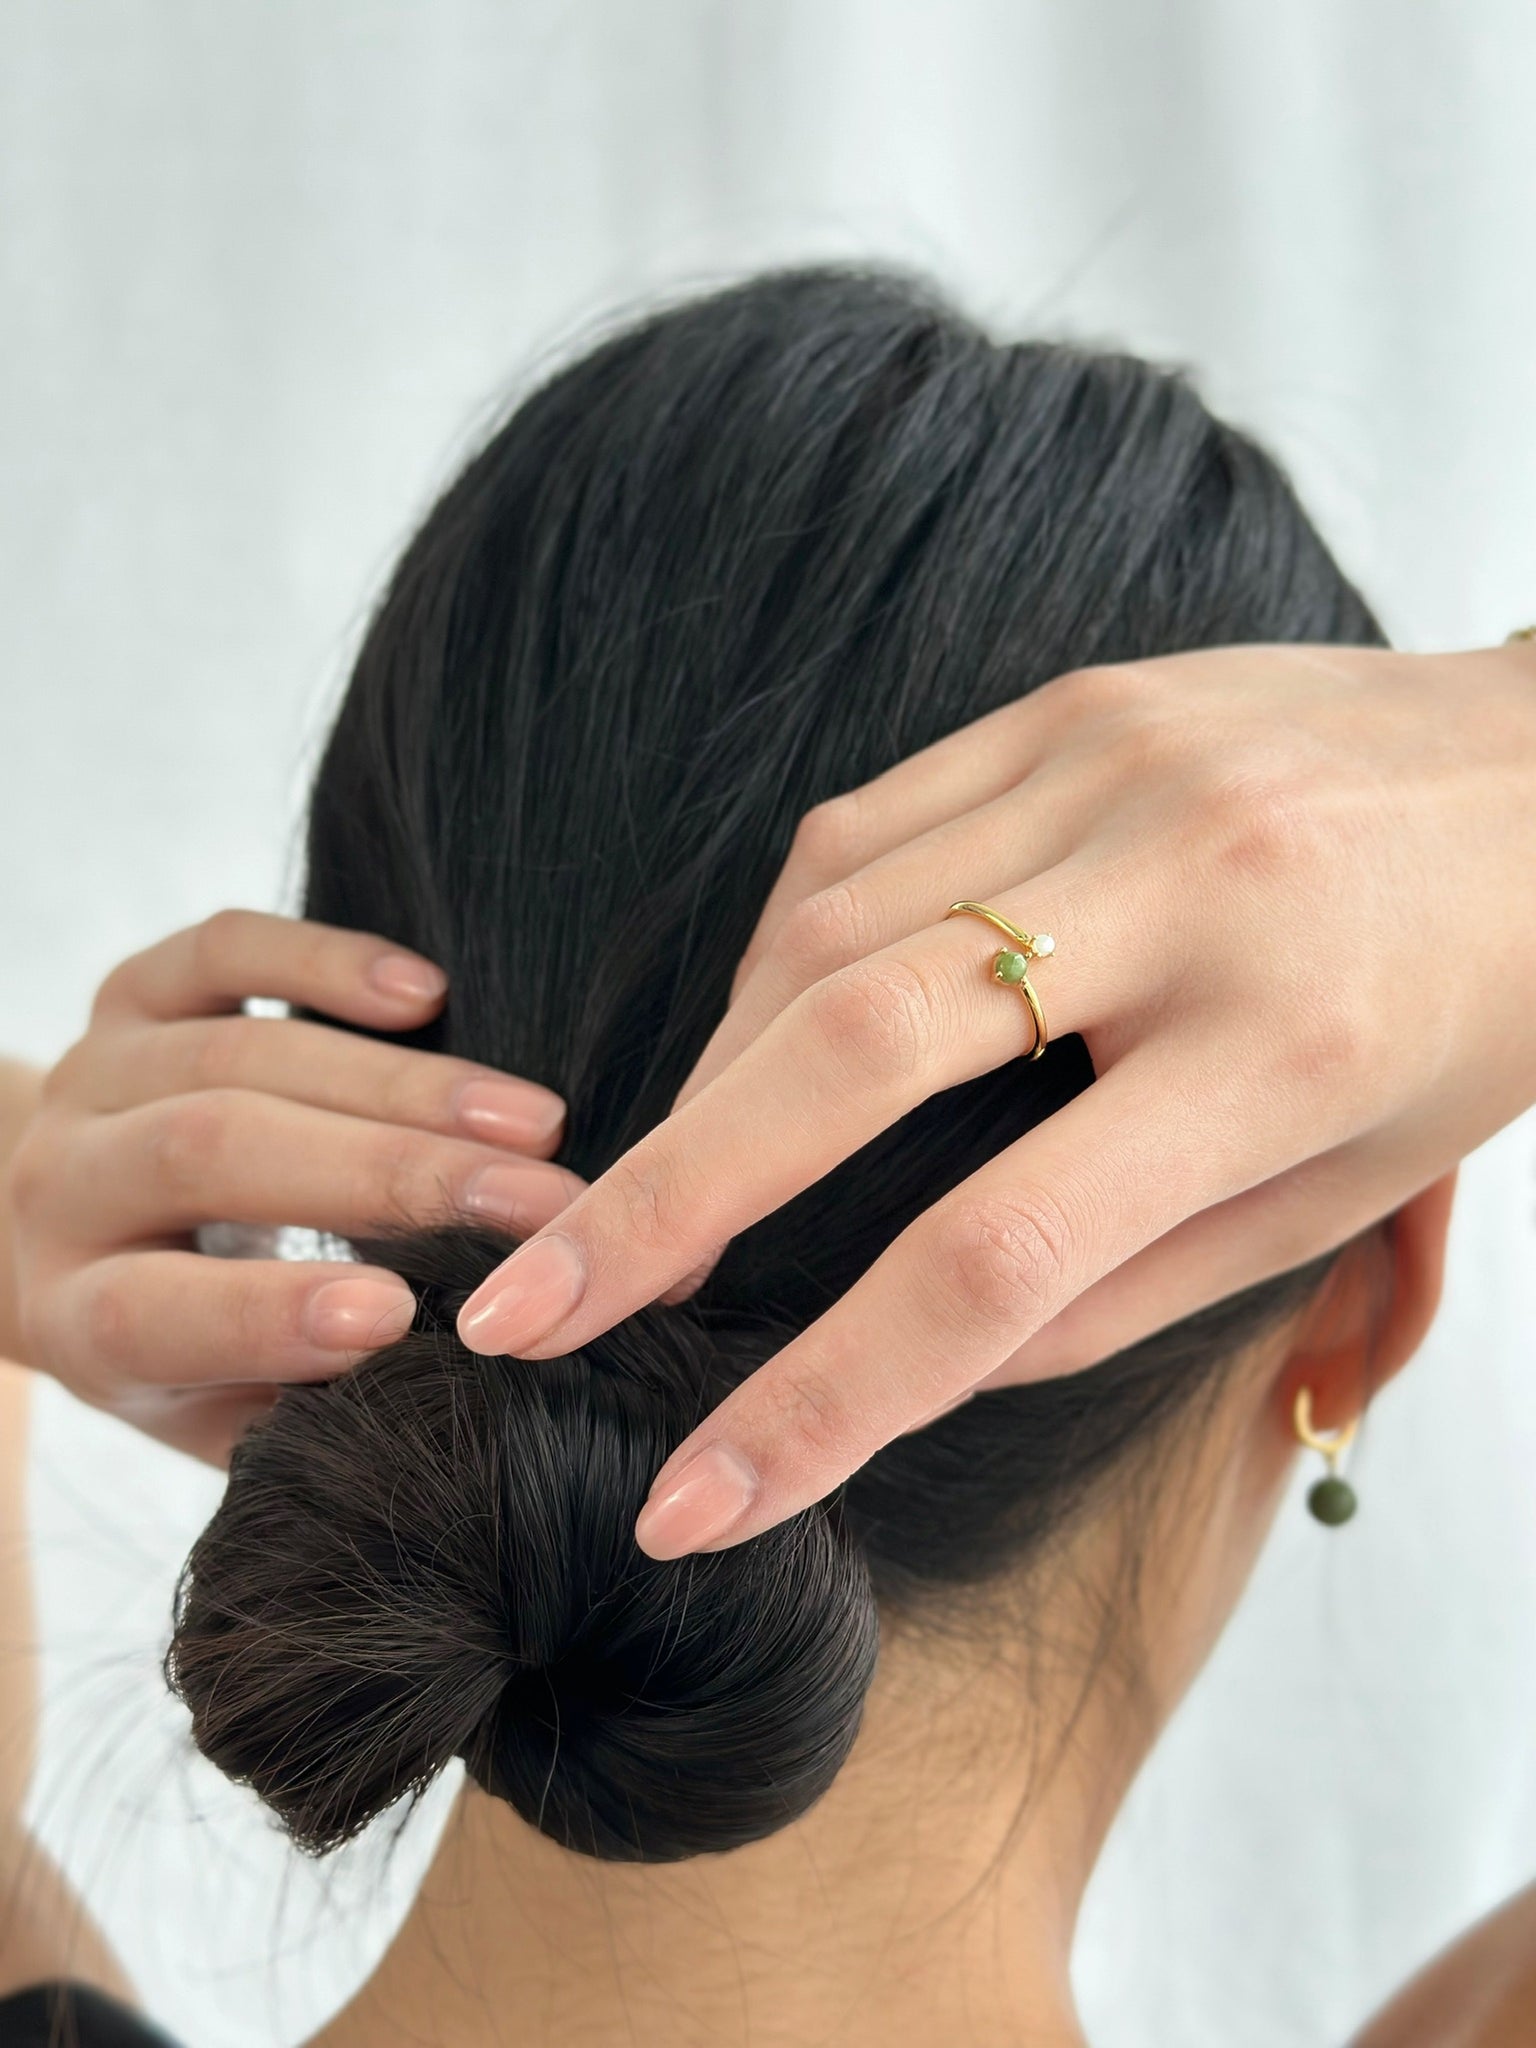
[{"x": 1332, "y": 1500}]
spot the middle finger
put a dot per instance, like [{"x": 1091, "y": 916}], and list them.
[
  {"x": 314, "y": 1063},
  {"x": 231, "y": 1154}
]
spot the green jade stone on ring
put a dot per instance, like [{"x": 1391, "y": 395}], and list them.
[
  {"x": 1332, "y": 1501},
  {"x": 1010, "y": 967}
]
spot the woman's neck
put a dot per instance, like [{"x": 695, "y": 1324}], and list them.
[{"x": 930, "y": 1898}]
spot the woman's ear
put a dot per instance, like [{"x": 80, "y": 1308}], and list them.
[{"x": 1374, "y": 1310}]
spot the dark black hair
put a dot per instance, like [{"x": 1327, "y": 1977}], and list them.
[{"x": 740, "y": 558}]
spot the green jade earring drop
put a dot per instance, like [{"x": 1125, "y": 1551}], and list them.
[{"x": 1332, "y": 1500}]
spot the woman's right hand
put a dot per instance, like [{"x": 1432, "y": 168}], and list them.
[
  {"x": 1291, "y": 891},
  {"x": 175, "y": 1109}
]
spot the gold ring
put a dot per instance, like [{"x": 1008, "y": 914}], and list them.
[{"x": 1011, "y": 965}]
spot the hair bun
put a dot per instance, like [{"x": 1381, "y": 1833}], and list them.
[{"x": 433, "y": 1556}]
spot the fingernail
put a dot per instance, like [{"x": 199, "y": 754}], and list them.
[
  {"x": 699, "y": 1504},
  {"x": 407, "y": 979},
  {"x": 358, "y": 1315},
  {"x": 533, "y": 1292},
  {"x": 510, "y": 1112},
  {"x": 516, "y": 1196}
]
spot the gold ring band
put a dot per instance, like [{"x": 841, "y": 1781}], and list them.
[{"x": 1010, "y": 967}]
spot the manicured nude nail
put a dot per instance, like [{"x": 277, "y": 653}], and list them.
[
  {"x": 509, "y": 1112},
  {"x": 406, "y": 979},
  {"x": 530, "y": 1296},
  {"x": 698, "y": 1505},
  {"x": 358, "y": 1315},
  {"x": 520, "y": 1198}
]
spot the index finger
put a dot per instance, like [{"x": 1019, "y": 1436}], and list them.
[
  {"x": 958, "y": 1292},
  {"x": 215, "y": 966}
]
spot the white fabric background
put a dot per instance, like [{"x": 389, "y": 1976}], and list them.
[{"x": 261, "y": 269}]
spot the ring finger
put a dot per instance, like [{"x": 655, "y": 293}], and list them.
[
  {"x": 1026, "y": 831},
  {"x": 843, "y": 1062},
  {"x": 956, "y": 775}
]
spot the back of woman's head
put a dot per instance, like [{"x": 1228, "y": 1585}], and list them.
[{"x": 737, "y": 560}]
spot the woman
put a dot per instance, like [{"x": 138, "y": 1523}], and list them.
[{"x": 750, "y": 554}]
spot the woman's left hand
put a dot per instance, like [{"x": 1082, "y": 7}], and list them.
[{"x": 175, "y": 1109}]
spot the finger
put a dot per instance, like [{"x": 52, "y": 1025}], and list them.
[
  {"x": 236, "y": 954},
  {"x": 841, "y": 1064},
  {"x": 1024, "y": 832},
  {"x": 958, "y": 773},
  {"x": 305, "y": 1062},
  {"x": 1152, "y": 1141},
  {"x": 1265, "y": 1231},
  {"x": 230, "y": 1155},
  {"x": 691, "y": 1282},
  {"x": 158, "y": 1319}
]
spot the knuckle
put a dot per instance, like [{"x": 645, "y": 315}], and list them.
[
  {"x": 108, "y": 1327},
  {"x": 315, "y": 951},
  {"x": 222, "y": 1052},
  {"x": 829, "y": 839},
  {"x": 815, "y": 1424},
  {"x": 28, "y": 1174},
  {"x": 1332, "y": 1039},
  {"x": 1148, "y": 744},
  {"x": 1110, "y": 692},
  {"x": 215, "y": 939},
  {"x": 1263, "y": 826},
  {"x": 648, "y": 1199},
  {"x": 1002, "y": 1258},
  {"x": 823, "y": 932},
  {"x": 406, "y": 1178},
  {"x": 406, "y": 1091},
  {"x": 187, "y": 1140},
  {"x": 877, "y": 1017},
  {"x": 261, "y": 1314}
]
